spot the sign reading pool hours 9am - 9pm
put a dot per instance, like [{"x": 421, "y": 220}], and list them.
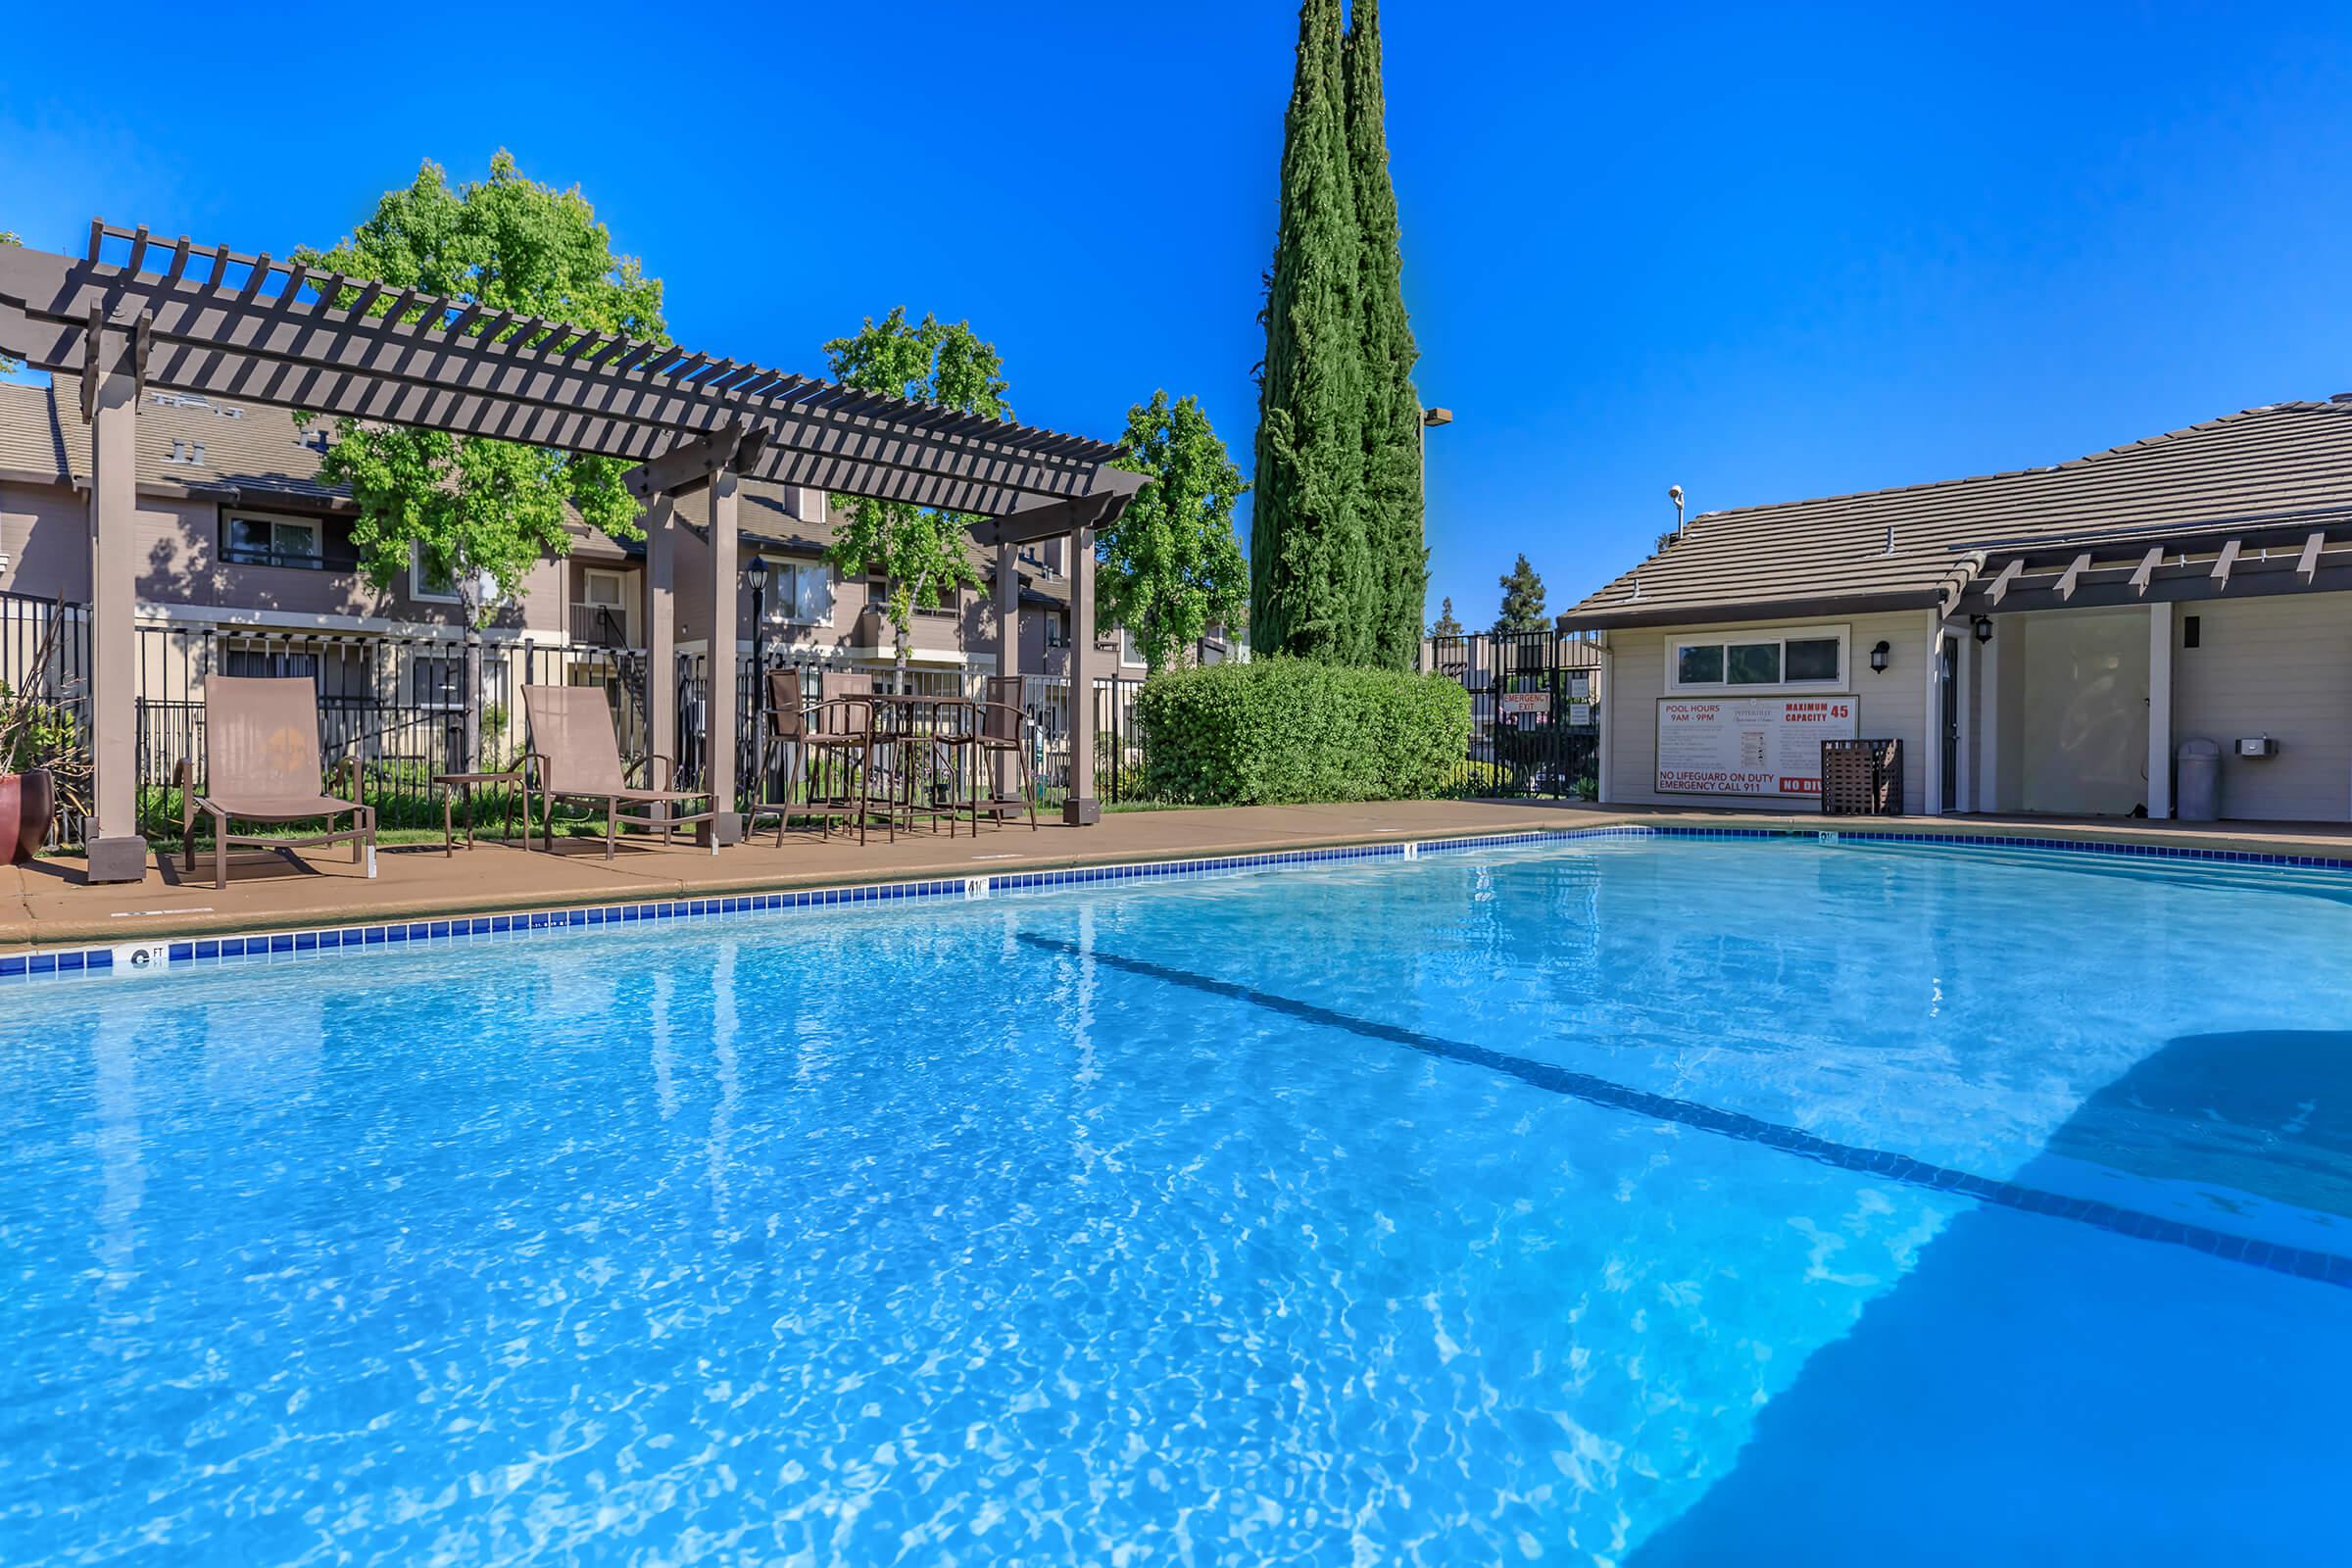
[{"x": 1747, "y": 745}]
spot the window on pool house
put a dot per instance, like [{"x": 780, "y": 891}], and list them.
[{"x": 1759, "y": 661}]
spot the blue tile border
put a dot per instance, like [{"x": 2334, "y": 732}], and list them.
[{"x": 183, "y": 952}]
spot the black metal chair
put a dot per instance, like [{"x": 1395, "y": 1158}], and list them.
[{"x": 1000, "y": 744}]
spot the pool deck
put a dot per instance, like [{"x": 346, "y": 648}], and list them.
[{"x": 44, "y": 904}]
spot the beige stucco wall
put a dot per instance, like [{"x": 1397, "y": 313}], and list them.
[
  {"x": 45, "y": 529},
  {"x": 1892, "y": 704},
  {"x": 2280, "y": 665}
]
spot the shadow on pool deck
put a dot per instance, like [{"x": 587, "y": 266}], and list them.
[{"x": 2056, "y": 1394}]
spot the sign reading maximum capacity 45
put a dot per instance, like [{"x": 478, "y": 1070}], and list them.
[{"x": 1747, "y": 745}]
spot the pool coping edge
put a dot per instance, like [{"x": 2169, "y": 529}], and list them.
[{"x": 175, "y": 953}]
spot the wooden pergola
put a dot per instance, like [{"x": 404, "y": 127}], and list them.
[{"x": 134, "y": 312}]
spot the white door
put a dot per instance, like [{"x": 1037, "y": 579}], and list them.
[{"x": 2086, "y": 694}]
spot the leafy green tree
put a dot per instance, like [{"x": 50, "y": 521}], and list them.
[
  {"x": 479, "y": 512},
  {"x": 1170, "y": 567},
  {"x": 1311, "y": 572},
  {"x": 920, "y": 551},
  {"x": 1391, "y": 492},
  {"x": 1522, "y": 601},
  {"x": 1446, "y": 625}
]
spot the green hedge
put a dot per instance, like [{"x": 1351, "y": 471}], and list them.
[{"x": 1281, "y": 731}]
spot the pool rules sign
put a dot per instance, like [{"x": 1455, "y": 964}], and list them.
[{"x": 1767, "y": 746}]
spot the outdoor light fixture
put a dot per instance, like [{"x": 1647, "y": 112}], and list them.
[
  {"x": 1983, "y": 627},
  {"x": 1878, "y": 659}
]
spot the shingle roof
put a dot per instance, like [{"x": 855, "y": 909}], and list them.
[
  {"x": 30, "y": 438},
  {"x": 1892, "y": 549}
]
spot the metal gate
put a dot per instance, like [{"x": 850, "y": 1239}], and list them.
[{"x": 1534, "y": 713}]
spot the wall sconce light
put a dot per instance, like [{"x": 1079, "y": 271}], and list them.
[
  {"x": 1983, "y": 627},
  {"x": 1878, "y": 659}
]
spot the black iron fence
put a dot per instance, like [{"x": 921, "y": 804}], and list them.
[
  {"x": 1119, "y": 740},
  {"x": 45, "y": 655},
  {"x": 397, "y": 704},
  {"x": 1534, "y": 713}
]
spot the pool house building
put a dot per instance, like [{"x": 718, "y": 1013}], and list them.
[{"x": 2164, "y": 628}]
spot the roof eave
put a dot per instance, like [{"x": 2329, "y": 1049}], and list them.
[{"x": 1626, "y": 617}]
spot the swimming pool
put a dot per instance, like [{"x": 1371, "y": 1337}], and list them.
[{"x": 1634, "y": 1202}]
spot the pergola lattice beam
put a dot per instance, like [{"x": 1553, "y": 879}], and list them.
[
  {"x": 1053, "y": 519},
  {"x": 545, "y": 383}
]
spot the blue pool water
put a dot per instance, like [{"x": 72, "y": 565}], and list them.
[{"x": 1635, "y": 1203}]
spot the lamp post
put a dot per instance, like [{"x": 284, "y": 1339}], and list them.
[
  {"x": 757, "y": 571},
  {"x": 1431, "y": 419}
]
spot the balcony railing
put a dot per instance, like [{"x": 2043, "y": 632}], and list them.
[
  {"x": 601, "y": 627},
  {"x": 329, "y": 559}
]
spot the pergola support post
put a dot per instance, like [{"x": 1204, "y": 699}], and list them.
[
  {"x": 719, "y": 701},
  {"x": 1080, "y": 809},
  {"x": 1009, "y": 644},
  {"x": 116, "y": 850},
  {"x": 661, "y": 635},
  {"x": 1933, "y": 773}
]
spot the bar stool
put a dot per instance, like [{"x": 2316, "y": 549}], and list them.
[
  {"x": 840, "y": 731},
  {"x": 1003, "y": 734},
  {"x": 788, "y": 736}
]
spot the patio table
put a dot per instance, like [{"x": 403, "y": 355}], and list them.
[
  {"x": 450, "y": 784},
  {"x": 910, "y": 720}
]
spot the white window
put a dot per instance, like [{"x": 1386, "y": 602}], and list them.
[
  {"x": 1766, "y": 659},
  {"x": 437, "y": 680},
  {"x": 800, "y": 592},
  {"x": 601, "y": 589},
  {"x": 266, "y": 661},
  {"x": 1130, "y": 650},
  {"x": 436, "y": 587},
  {"x": 257, "y": 539}
]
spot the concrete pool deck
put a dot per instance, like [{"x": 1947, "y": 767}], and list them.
[{"x": 44, "y": 904}]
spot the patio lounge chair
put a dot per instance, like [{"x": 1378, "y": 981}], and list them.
[
  {"x": 262, "y": 764},
  {"x": 575, "y": 756}
]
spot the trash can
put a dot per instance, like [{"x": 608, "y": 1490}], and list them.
[{"x": 2197, "y": 795}]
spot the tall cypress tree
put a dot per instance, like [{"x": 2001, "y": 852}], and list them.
[
  {"x": 1311, "y": 572},
  {"x": 1392, "y": 403}
]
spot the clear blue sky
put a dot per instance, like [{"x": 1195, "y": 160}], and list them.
[{"x": 1759, "y": 257}]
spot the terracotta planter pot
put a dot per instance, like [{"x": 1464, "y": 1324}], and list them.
[{"x": 27, "y": 801}]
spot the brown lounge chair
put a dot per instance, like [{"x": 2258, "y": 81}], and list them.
[
  {"x": 576, "y": 758},
  {"x": 261, "y": 764}
]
